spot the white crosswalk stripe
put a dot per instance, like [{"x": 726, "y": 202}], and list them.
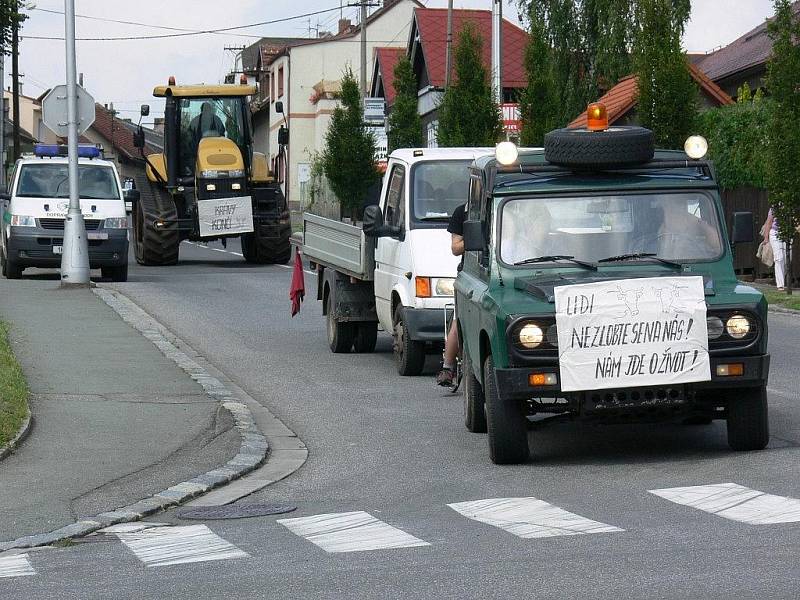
[
  {"x": 735, "y": 502},
  {"x": 161, "y": 546},
  {"x": 15, "y": 565},
  {"x": 529, "y": 517},
  {"x": 350, "y": 532}
]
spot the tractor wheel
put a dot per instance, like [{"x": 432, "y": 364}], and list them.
[
  {"x": 155, "y": 246},
  {"x": 261, "y": 249}
]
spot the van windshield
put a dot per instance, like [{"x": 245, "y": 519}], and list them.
[
  {"x": 52, "y": 181},
  {"x": 679, "y": 227},
  {"x": 439, "y": 188}
]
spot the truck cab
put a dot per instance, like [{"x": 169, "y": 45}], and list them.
[{"x": 600, "y": 286}]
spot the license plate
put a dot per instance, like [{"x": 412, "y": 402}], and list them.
[
  {"x": 94, "y": 235},
  {"x": 58, "y": 250}
]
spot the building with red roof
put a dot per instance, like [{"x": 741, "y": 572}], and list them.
[{"x": 383, "y": 73}]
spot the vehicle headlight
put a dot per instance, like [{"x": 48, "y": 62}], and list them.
[
  {"x": 210, "y": 174},
  {"x": 236, "y": 173},
  {"x": 552, "y": 336},
  {"x": 116, "y": 223},
  {"x": 737, "y": 326},
  {"x": 444, "y": 286},
  {"x": 715, "y": 327},
  {"x": 530, "y": 335},
  {"x": 23, "y": 221},
  {"x": 215, "y": 174}
]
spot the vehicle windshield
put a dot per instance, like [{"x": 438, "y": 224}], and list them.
[
  {"x": 679, "y": 227},
  {"x": 208, "y": 117},
  {"x": 439, "y": 188},
  {"x": 52, "y": 181}
]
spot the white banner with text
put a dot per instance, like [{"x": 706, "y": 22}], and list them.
[{"x": 225, "y": 216}]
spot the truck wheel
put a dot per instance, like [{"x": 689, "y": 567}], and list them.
[
  {"x": 409, "y": 354},
  {"x": 262, "y": 250},
  {"x": 748, "y": 420},
  {"x": 340, "y": 334},
  {"x": 155, "y": 246},
  {"x": 366, "y": 337},
  {"x": 584, "y": 149},
  {"x": 115, "y": 273},
  {"x": 507, "y": 426},
  {"x": 474, "y": 402}
]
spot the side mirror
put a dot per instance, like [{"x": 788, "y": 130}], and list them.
[
  {"x": 131, "y": 195},
  {"x": 742, "y": 230},
  {"x": 473, "y": 236},
  {"x": 279, "y": 107},
  {"x": 145, "y": 110},
  {"x": 138, "y": 138},
  {"x": 283, "y": 136}
]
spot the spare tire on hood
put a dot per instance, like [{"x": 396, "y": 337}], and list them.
[{"x": 587, "y": 150}]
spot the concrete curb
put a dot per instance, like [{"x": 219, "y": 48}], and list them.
[
  {"x": 22, "y": 434},
  {"x": 783, "y": 311},
  {"x": 253, "y": 449}
]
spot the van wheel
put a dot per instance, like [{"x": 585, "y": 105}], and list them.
[
  {"x": 474, "y": 401},
  {"x": 11, "y": 269},
  {"x": 340, "y": 334},
  {"x": 507, "y": 425},
  {"x": 408, "y": 354},
  {"x": 366, "y": 337},
  {"x": 115, "y": 273},
  {"x": 748, "y": 420}
]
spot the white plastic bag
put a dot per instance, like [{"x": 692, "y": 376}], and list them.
[{"x": 764, "y": 253}]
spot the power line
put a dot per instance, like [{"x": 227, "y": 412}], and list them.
[{"x": 188, "y": 33}]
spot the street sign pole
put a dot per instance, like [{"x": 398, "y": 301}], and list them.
[{"x": 75, "y": 258}]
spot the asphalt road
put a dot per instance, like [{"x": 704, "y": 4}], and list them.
[{"x": 396, "y": 448}]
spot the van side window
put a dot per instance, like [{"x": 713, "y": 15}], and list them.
[{"x": 395, "y": 206}]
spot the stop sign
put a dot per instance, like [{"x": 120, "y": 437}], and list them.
[{"x": 54, "y": 110}]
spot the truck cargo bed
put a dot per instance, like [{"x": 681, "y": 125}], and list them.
[{"x": 338, "y": 245}]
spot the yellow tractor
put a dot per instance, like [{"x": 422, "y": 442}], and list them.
[{"x": 208, "y": 184}]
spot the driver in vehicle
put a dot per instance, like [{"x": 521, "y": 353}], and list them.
[
  {"x": 681, "y": 230},
  {"x": 206, "y": 124},
  {"x": 525, "y": 232}
]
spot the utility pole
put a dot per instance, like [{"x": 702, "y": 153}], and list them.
[
  {"x": 3, "y": 119},
  {"x": 75, "y": 251},
  {"x": 449, "y": 50},
  {"x": 497, "y": 50},
  {"x": 15, "y": 85},
  {"x": 363, "y": 48}
]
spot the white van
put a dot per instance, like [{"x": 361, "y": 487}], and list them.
[{"x": 36, "y": 205}]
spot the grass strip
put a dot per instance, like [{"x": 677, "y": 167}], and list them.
[
  {"x": 13, "y": 390},
  {"x": 776, "y": 298}
]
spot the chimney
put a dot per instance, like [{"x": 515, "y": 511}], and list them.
[
  {"x": 344, "y": 25},
  {"x": 158, "y": 124}
]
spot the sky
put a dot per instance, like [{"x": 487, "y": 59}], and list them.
[{"x": 125, "y": 72}]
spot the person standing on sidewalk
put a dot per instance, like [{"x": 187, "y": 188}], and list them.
[
  {"x": 446, "y": 376},
  {"x": 770, "y": 232}
]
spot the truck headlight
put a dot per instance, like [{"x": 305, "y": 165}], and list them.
[
  {"x": 23, "y": 221},
  {"x": 444, "y": 286},
  {"x": 715, "y": 327},
  {"x": 737, "y": 326},
  {"x": 215, "y": 173},
  {"x": 116, "y": 223},
  {"x": 530, "y": 336},
  {"x": 210, "y": 174},
  {"x": 236, "y": 173}
]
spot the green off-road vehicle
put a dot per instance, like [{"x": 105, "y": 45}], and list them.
[{"x": 598, "y": 284}]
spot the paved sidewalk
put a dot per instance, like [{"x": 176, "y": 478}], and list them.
[{"x": 114, "y": 419}]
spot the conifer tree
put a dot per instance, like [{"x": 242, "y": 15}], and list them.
[
  {"x": 405, "y": 126},
  {"x": 539, "y": 106},
  {"x": 468, "y": 114}
]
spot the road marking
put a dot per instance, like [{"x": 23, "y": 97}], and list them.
[
  {"x": 735, "y": 502},
  {"x": 242, "y": 255},
  {"x": 16, "y": 565},
  {"x": 529, "y": 517},
  {"x": 162, "y": 546},
  {"x": 350, "y": 532}
]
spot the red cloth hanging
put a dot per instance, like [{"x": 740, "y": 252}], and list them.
[{"x": 298, "y": 289}]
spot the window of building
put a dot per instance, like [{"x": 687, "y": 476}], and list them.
[
  {"x": 431, "y": 131},
  {"x": 280, "y": 82}
]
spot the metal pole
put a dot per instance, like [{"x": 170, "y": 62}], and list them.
[
  {"x": 364, "y": 48},
  {"x": 497, "y": 50},
  {"x": 3, "y": 119},
  {"x": 449, "y": 51},
  {"x": 75, "y": 257},
  {"x": 15, "y": 86}
]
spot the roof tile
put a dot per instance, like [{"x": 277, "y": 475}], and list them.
[{"x": 387, "y": 60}]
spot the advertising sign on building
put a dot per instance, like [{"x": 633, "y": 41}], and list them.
[
  {"x": 511, "y": 117},
  {"x": 381, "y": 143},
  {"x": 374, "y": 110}
]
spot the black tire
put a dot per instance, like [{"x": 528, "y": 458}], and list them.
[
  {"x": 340, "y": 334},
  {"x": 366, "y": 337},
  {"x": 748, "y": 420},
  {"x": 409, "y": 355},
  {"x": 12, "y": 269},
  {"x": 506, "y": 423},
  {"x": 119, "y": 273},
  {"x": 698, "y": 420},
  {"x": 474, "y": 401},
  {"x": 152, "y": 246},
  {"x": 261, "y": 249},
  {"x": 584, "y": 149}
]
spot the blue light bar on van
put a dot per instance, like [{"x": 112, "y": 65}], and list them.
[{"x": 84, "y": 151}]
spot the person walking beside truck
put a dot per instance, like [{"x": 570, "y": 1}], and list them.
[
  {"x": 447, "y": 374},
  {"x": 770, "y": 232}
]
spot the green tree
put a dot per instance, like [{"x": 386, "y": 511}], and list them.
[
  {"x": 468, "y": 114},
  {"x": 405, "y": 126},
  {"x": 10, "y": 14},
  {"x": 539, "y": 105},
  {"x": 783, "y": 85},
  {"x": 349, "y": 155},
  {"x": 667, "y": 97}
]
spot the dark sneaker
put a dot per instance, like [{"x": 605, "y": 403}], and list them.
[{"x": 445, "y": 377}]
